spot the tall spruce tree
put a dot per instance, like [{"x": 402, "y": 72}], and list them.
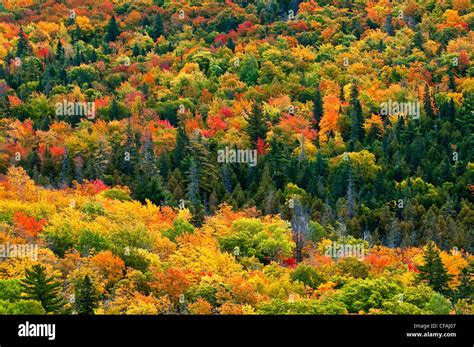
[
  {"x": 317, "y": 108},
  {"x": 23, "y": 47},
  {"x": 465, "y": 290},
  {"x": 433, "y": 271},
  {"x": 356, "y": 115},
  {"x": 157, "y": 29},
  {"x": 39, "y": 285},
  {"x": 256, "y": 124},
  {"x": 113, "y": 30},
  {"x": 427, "y": 102},
  {"x": 87, "y": 296}
]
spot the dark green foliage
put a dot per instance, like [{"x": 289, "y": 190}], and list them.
[
  {"x": 86, "y": 296},
  {"x": 113, "y": 30},
  {"x": 40, "y": 286},
  {"x": 433, "y": 271}
]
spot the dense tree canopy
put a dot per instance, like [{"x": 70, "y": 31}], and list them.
[{"x": 203, "y": 156}]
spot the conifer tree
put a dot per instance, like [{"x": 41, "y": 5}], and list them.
[
  {"x": 113, "y": 29},
  {"x": 23, "y": 47},
  {"x": 86, "y": 296},
  {"x": 427, "y": 102},
  {"x": 356, "y": 115},
  {"x": 38, "y": 285},
  {"x": 317, "y": 108},
  {"x": 465, "y": 290},
  {"x": 433, "y": 271},
  {"x": 157, "y": 29},
  {"x": 256, "y": 124}
]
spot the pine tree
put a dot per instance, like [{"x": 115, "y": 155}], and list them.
[
  {"x": 148, "y": 183},
  {"x": 418, "y": 40},
  {"x": 433, "y": 271},
  {"x": 157, "y": 29},
  {"x": 427, "y": 102},
  {"x": 278, "y": 160},
  {"x": 193, "y": 194},
  {"x": 5, "y": 107},
  {"x": 389, "y": 26},
  {"x": 86, "y": 296},
  {"x": 38, "y": 285},
  {"x": 465, "y": 289},
  {"x": 317, "y": 108},
  {"x": 350, "y": 196},
  {"x": 66, "y": 170},
  {"x": 33, "y": 162},
  {"x": 356, "y": 115},
  {"x": 257, "y": 127},
  {"x": 180, "y": 148},
  {"x": 230, "y": 44},
  {"x": 156, "y": 191},
  {"x": 205, "y": 169},
  {"x": 117, "y": 111},
  {"x": 451, "y": 110},
  {"x": 451, "y": 84},
  {"x": 112, "y": 30},
  {"x": 23, "y": 47}
]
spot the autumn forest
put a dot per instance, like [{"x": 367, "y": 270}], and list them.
[{"x": 236, "y": 157}]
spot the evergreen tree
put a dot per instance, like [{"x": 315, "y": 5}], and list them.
[
  {"x": 148, "y": 183},
  {"x": 451, "y": 110},
  {"x": 278, "y": 160},
  {"x": 113, "y": 29},
  {"x": 66, "y": 170},
  {"x": 433, "y": 271},
  {"x": 180, "y": 148},
  {"x": 117, "y": 111},
  {"x": 86, "y": 296},
  {"x": 157, "y": 30},
  {"x": 230, "y": 44},
  {"x": 23, "y": 47},
  {"x": 193, "y": 194},
  {"x": 256, "y": 124},
  {"x": 38, "y": 285},
  {"x": 317, "y": 108},
  {"x": 5, "y": 107},
  {"x": 451, "y": 84},
  {"x": 427, "y": 102},
  {"x": 465, "y": 290},
  {"x": 389, "y": 26},
  {"x": 33, "y": 162},
  {"x": 418, "y": 39},
  {"x": 350, "y": 196},
  {"x": 356, "y": 115}
]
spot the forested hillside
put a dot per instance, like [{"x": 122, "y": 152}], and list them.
[{"x": 236, "y": 157}]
